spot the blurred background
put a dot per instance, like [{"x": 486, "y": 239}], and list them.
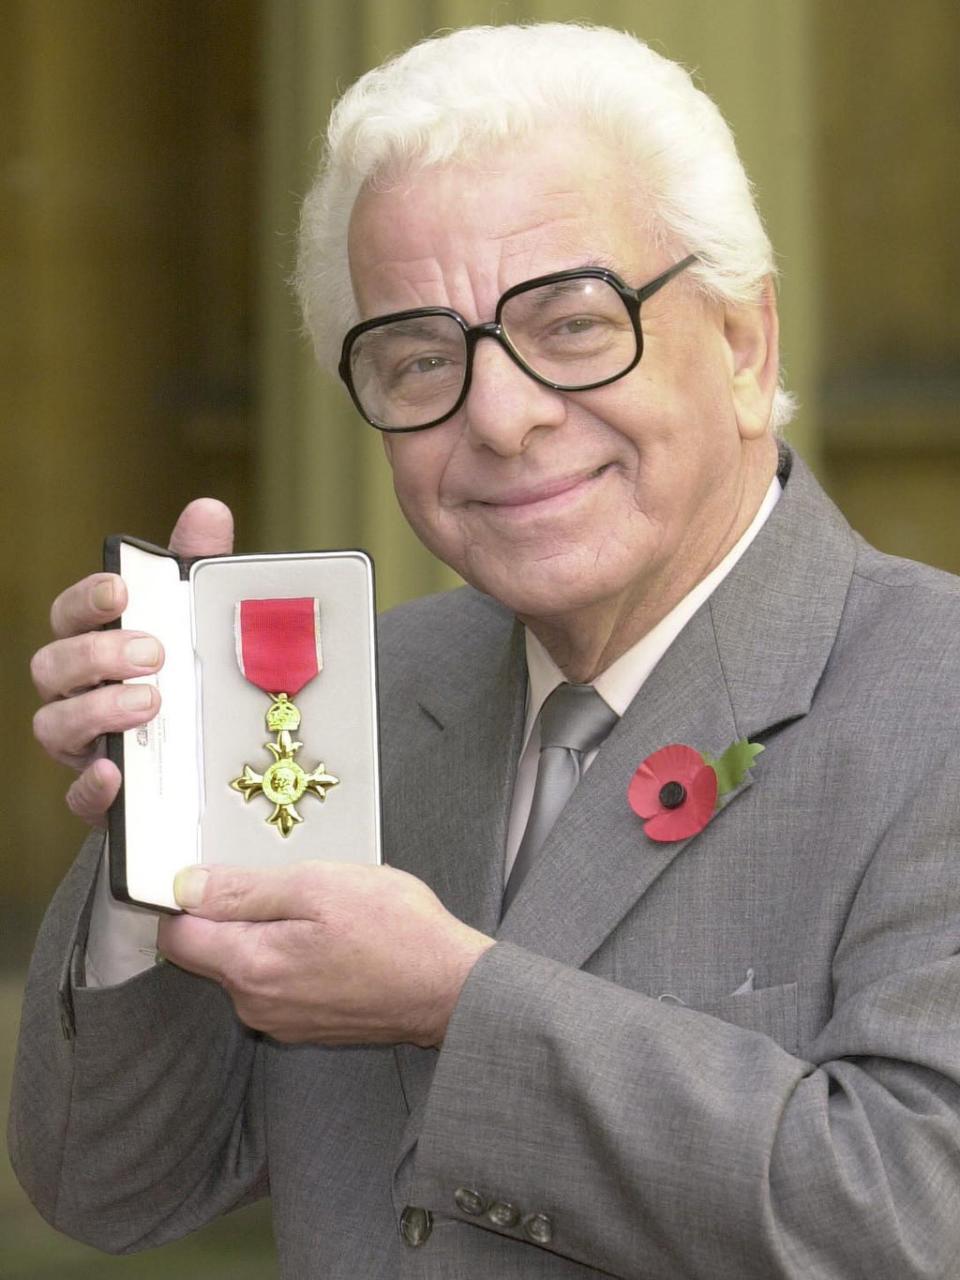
[{"x": 152, "y": 156}]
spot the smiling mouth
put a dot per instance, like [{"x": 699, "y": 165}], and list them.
[{"x": 539, "y": 496}]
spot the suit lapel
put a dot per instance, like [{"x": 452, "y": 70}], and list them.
[
  {"x": 452, "y": 796},
  {"x": 597, "y": 862},
  {"x": 451, "y": 811},
  {"x": 749, "y": 660}
]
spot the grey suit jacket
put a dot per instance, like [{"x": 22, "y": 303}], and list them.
[{"x": 730, "y": 1057}]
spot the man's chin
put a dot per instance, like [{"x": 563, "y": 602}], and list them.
[{"x": 534, "y": 594}]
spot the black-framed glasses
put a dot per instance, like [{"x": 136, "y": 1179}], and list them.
[{"x": 570, "y": 330}]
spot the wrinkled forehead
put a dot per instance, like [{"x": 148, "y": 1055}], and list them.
[{"x": 477, "y": 228}]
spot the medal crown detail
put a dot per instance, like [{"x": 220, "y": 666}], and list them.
[{"x": 282, "y": 714}]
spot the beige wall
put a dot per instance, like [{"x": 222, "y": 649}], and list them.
[
  {"x": 888, "y": 171},
  {"x": 127, "y": 137}
]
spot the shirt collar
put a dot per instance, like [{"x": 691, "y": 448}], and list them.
[{"x": 623, "y": 679}]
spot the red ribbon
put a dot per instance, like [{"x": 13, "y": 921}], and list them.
[{"x": 278, "y": 643}]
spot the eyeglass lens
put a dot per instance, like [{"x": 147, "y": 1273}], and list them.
[{"x": 411, "y": 371}]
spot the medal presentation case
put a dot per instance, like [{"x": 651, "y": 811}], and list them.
[{"x": 232, "y": 769}]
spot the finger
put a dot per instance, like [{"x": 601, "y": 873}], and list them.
[
  {"x": 204, "y": 528},
  {"x": 92, "y": 794},
  {"x": 205, "y": 947},
  {"x": 68, "y": 730},
  {"x": 88, "y": 604},
  {"x": 69, "y": 666},
  {"x": 243, "y": 893}
]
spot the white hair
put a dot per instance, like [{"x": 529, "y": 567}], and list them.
[{"x": 453, "y": 97}]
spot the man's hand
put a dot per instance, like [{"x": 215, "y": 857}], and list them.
[
  {"x": 326, "y": 952},
  {"x": 75, "y": 675}
]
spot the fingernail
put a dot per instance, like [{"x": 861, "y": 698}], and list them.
[
  {"x": 142, "y": 652},
  {"x": 188, "y": 886},
  {"x": 103, "y": 596},
  {"x": 135, "y": 697}
]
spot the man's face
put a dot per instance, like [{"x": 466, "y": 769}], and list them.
[{"x": 553, "y": 502}]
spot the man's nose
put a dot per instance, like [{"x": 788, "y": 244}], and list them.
[{"x": 504, "y": 404}]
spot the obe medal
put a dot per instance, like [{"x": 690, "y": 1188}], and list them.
[{"x": 278, "y": 650}]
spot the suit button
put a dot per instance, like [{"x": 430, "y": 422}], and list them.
[
  {"x": 415, "y": 1226},
  {"x": 538, "y": 1228},
  {"x": 469, "y": 1201},
  {"x": 502, "y": 1214}
]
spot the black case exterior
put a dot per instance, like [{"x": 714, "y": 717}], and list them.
[{"x": 116, "y": 817}]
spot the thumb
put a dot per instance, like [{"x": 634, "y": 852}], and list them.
[
  {"x": 245, "y": 893},
  {"x": 205, "y": 528}
]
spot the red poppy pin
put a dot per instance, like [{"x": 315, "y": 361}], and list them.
[{"x": 676, "y": 789}]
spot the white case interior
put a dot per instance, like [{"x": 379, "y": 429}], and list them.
[{"x": 178, "y": 805}]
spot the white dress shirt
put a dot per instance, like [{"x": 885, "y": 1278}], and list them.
[{"x": 122, "y": 938}]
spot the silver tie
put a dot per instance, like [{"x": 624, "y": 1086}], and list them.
[{"x": 573, "y": 721}]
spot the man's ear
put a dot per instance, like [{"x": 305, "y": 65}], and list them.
[{"x": 752, "y": 332}]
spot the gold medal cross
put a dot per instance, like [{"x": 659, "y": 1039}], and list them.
[{"x": 285, "y": 781}]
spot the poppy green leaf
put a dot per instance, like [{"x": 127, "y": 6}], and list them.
[{"x": 734, "y": 765}]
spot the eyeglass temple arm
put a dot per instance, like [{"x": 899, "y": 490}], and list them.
[{"x": 655, "y": 286}]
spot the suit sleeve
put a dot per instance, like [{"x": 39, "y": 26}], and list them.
[
  {"x": 662, "y": 1142},
  {"x": 136, "y": 1112}
]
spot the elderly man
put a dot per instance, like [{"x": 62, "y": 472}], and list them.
[{"x": 700, "y": 1020}]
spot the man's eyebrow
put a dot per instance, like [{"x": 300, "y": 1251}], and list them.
[
  {"x": 411, "y": 327},
  {"x": 414, "y": 326},
  {"x": 560, "y": 288}
]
